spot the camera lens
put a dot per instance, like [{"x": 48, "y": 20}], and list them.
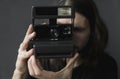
[{"x": 54, "y": 34}]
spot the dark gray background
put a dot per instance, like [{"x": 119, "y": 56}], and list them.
[{"x": 15, "y": 18}]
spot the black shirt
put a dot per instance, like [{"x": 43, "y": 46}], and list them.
[{"x": 106, "y": 68}]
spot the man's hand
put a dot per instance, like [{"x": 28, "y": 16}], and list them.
[
  {"x": 36, "y": 70},
  {"x": 24, "y": 55}
]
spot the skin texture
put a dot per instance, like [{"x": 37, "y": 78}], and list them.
[{"x": 27, "y": 63}]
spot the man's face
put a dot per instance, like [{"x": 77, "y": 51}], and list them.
[{"x": 81, "y": 30}]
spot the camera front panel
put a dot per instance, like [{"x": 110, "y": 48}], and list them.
[{"x": 52, "y": 39}]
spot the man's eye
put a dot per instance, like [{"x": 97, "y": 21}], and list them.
[{"x": 78, "y": 29}]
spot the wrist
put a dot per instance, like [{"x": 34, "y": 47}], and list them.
[
  {"x": 18, "y": 72},
  {"x": 19, "y": 75}
]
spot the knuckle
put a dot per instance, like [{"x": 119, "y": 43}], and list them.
[
  {"x": 21, "y": 45},
  {"x": 19, "y": 50},
  {"x": 20, "y": 57}
]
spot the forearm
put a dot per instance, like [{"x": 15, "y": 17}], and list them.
[{"x": 19, "y": 75}]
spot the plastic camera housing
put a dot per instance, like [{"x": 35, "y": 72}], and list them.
[{"x": 52, "y": 39}]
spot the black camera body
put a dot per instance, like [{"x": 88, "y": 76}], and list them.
[{"x": 53, "y": 39}]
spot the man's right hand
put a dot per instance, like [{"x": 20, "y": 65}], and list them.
[{"x": 23, "y": 54}]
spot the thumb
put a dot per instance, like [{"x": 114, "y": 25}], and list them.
[
  {"x": 66, "y": 72},
  {"x": 71, "y": 61}
]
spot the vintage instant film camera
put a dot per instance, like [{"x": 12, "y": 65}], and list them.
[{"x": 53, "y": 39}]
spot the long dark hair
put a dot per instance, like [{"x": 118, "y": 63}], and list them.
[{"x": 99, "y": 34}]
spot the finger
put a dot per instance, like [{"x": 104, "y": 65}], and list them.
[
  {"x": 36, "y": 68},
  {"x": 30, "y": 29},
  {"x": 23, "y": 55},
  {"x": 72, "y": 60},
  {"x": 25, "y": 43},
  {"x": 29, "y": 53},
  {"x": 69, "y": 65},
  {"x": 29, "y": 35},
  {"x": 30, "y": 68}
]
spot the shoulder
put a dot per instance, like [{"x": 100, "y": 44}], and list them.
[
  {"x": 107, "y": 66},
  {"x": 106, "y": 61}
]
